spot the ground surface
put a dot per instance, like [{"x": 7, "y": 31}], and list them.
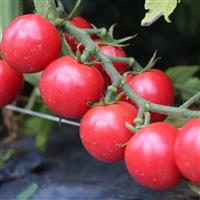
[{"x": 69, "y": 172}]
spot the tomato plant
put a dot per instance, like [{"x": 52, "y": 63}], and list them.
[
  {"x": 103, "y": 131},
  {"x": 67, "y": 86},
  {"x": 149, "y": 157},
  {"x": 78, "y": 22},
  {"x": 30, "y": 43},
  {"x": 154, "y": 86},
  {"x": 187, "y": 150},
  {"x": 11, "y": 83}
]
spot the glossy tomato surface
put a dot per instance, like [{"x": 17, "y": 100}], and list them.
[
  {"x": 79, "y": 22},
  {"x": 115, "y": 52},
  {"x": 103, "y": 132},
  {"x": 187, "y": 150},
  {"x": 149, "y": 157},
  {"x": 67, "y": 86},
  {"x": 154, "y": 86},
  {"x": 11, "y": 83},
  {"x": 30, "y": 43}
]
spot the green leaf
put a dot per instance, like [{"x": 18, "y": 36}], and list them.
[
  {"x": 158, "y": 8},
  {"x": 179, "y": 74},
  {"x": 190, "y": 88},
  {"x": 6, "y": 155},
  {"x": 185, "y": 84},
  {"x": 9, "y": 10},
  {"x": 40, "y": 128},
  {"x": 28, "y": 192},
  {"x": 46, "y": 8},
  {"x": 33, "y": 79}
]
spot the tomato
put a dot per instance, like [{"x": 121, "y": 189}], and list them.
[
  {"x": 67, "y": 86},
  {"x": 154, "y": 86},
  {"x": 149, "y": 157},
  {"x": 11, "y": 83},
  {"x": 79, "y": 22},
  {"x": 187, "y": 150},
  {"x": 30, "y": 43},
  {"x": 115, "y": 52},
  {"x": 103, "y": 130}
]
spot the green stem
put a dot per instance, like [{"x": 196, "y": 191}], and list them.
[
  {"x": 138, "y": 121},
  {"x": 66, "y": 49},
  {"x": 93, "y": 48},
  {"x": 131, "y": 128},
  {"x": 32, "y": 99},
  {"x": 190, "y": 101},
  {"x": 74, "y": 11},
  {"x": 130, "y": 61},
  {"x": 147, "y": 116},
  {"x": 96, "y": 31}
]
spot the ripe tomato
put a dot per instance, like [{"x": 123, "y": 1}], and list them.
[
  {"x": 154, "y": 86},
  {"x": 112, "y": 51},
  {"x": 11, "y": 83},
  {"x": 149, "y": 157},
  {"x": 30, "y": 43},
  {"x": 187, "y": 150},
  {"x": 103, "y": 130},
  {"x": 79, "y": 22},
  {"x": 67, "y": 85}
]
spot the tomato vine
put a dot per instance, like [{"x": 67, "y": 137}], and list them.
[{"x": 92, "y": 49}]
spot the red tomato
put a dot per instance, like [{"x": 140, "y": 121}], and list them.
[
  {"x": 103, "y": 130},
  {"x": 187, "y": 150},
  {"x": 30, "y": 43},
  {"x": 115, "y": 52},
  {"x": 11, "y": 83},
  {"x": 154, "y": 86},
  {"x": 149, "y": 157},
  {"x": 79, "y": 22},
  {"x": 67, "y": 85}
]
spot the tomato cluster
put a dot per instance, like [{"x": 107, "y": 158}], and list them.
[{"x": 157, "y": 156}]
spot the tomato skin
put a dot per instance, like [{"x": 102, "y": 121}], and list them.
[
  {"x": 79, "y": 22},
  {"x": 11, "y": 83},
  {"x": 187, "y": 150},
  {"x": 115, "y": 52},
  {"x": 30, "y": 43},
  {"x": 149, "y": 157},
  {"x": 103, "y": 130},
  {"x": 154, "y": 86},
  {"x": 67, "y": 86}
]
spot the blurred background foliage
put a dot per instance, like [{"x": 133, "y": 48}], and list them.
[{"x": 177, "y": 43}]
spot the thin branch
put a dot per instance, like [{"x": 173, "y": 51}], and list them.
[
  {"x": 41, "y": 115},
  {"x": 190, "y": 101},
  {"x": 76, "y": 7}
]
